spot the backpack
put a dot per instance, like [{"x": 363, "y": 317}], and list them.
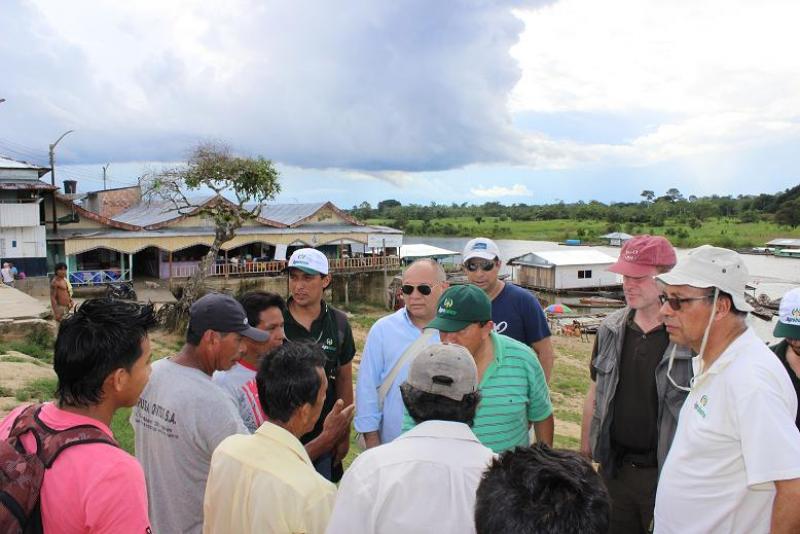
[{"x": 22, "y": 472}]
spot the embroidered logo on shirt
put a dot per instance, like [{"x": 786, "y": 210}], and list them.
[{"x": 700, "y": 405}]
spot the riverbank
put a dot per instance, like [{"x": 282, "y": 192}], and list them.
[{"x": 719, "y": 231}]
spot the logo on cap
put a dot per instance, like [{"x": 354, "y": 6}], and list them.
[
  {"x": 480, "y": 246},
  {"x": 448, "y": 303}
]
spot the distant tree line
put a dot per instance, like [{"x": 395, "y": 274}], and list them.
[{"x": 781, "y": 208}]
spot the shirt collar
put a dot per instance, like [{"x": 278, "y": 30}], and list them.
[
  {"x": 727, "y": 356},
  {"x": 285, "y": 438},
  {"x": 441, "y": 429}
]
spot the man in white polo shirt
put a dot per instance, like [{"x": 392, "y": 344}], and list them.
[{"x": 734, "y": 465}]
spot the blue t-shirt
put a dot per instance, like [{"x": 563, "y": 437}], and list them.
[{"x": 517, "y": 314}]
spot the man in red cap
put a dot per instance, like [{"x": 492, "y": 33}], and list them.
[{"x": 631, "y": 410}]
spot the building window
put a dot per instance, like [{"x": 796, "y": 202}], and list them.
[
  {"x": 585, "y": 274},
  {"x": 13, "y": 243}
]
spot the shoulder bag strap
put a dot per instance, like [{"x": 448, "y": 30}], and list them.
[{"x": 409, "y": 353}]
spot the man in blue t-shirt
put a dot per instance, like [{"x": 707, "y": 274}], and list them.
[{"x": 516, "y": 312}]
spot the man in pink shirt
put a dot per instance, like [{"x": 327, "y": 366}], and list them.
[{"x": 102, "y": 360}]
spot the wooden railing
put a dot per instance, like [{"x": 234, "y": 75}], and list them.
[{"x": 250, "y": 268}]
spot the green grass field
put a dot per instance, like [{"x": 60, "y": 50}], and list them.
[{"x": 725, "y": 232}]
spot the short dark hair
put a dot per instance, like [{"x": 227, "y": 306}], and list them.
[
  {"x": 254, "y": 302},
  {"x": 734, "y": 309},
  {"x": 288, "y": 378},
  {"x": 539, "y": 490},
  {"x": 424, "y": 406},
  {"x": 103, "y": 335},
  {"x": 60, "y": 265}
]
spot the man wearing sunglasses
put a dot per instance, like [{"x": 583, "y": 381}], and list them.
[
  {"x": 516, "y": 313},
  {"x": 631, "y": 408},
  {"x": 381, "y": 420},
  {"x": 734, "y": 465}
]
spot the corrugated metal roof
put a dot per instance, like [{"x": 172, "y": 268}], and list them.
[
  {"x": 784, "y": 242},
  {"x": 289, "y": 214},
  {"x": 563, "y": 257},
  {"x": 617, "y": 235},
  {"x": 154, "y": 212},
  {"x": 26, "y": 185},
  {"x": 247, "y": 230},
  {"x": 8, "y": 163}
]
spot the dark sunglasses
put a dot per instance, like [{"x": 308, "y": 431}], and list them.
[
  {"x": 676, "y": 302},
  {"x": 424, "y": 289},
  {"x": 473, "y": 266}
]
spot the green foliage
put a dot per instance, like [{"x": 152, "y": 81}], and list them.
[{"x": 39, "y": 390}]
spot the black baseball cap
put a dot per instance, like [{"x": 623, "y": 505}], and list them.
[{"x": 222, "y": 313}]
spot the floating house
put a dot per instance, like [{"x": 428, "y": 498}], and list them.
[
  {"x": 616, "y": 239},
  {"x": 786, "y": 247},
  {"x": 564, "y": 270}
]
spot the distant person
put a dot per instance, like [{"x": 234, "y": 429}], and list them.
[
  {"x": 266, "y": 483},
  {"x": 7, "y": 275},
  {"x": 60, "y": 292},
  {"x": 14, "y": 271},
  {"x": 425, "y": 480},
  {"x": 788, "y": 350},
  {"x": 511, "y": 381},
  {"x": 265, "y": 312},
  {"x": 734, "y": 465},
  {"x": 380, "y": 420},
  {"x": 539, "y": 490},
  {"x": 309, "y": 318},
  {"x": 182, "y": 416},
  {"x": 631, "y": 409},
  {"x": 102, "y": 361},
  {"x": 516, "y": 313}
]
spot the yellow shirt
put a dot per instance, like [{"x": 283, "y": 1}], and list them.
[{"x": 265, "y": 483}]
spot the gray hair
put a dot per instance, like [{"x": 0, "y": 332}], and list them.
[{"x": 440, "y": 275}]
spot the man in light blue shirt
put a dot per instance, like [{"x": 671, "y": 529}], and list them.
[{"x": 423, "y": 283}]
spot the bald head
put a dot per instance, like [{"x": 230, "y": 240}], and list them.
[
  {"x": 428, "y": 266},
  {"x": 426, "y": 280}
]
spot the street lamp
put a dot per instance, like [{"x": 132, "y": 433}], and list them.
[{"x": 53, "y": 176}]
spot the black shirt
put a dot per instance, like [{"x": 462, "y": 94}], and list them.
[
  {"x": 780, "y": 352},
  {"x": 332, "y": 332}
]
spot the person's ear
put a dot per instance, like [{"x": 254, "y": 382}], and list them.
[
  {"x": 326, "y": 281},
  {"x": 117, "y": 380}
]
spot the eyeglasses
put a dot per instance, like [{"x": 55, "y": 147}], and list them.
[
  {"x": 424, "y": 289},
  {"x": 676, "y": 302},
  {"x": 473, "y": 266}
]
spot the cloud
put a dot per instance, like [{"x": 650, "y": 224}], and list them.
[
  {"x": 374, "y": 86},
  {"x": 516, "y": 190}
]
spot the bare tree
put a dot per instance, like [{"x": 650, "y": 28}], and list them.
[{"x": 240, "y": 188}]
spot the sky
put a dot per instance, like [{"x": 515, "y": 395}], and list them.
[{"x": 418, "y": 101}]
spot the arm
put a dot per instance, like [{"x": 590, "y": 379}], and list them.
[
  {"x": 53, "y": 303},
  {"x": 334, "y": 428},
  {"x": 344, "y": 392},
  {"x": 544, "y": 350},
  {"x": 368, "y": 413},
  {"x": 785, "y": 512},
  {"x": 586, "y": 421},
  {"x": 544, "y": 430}
]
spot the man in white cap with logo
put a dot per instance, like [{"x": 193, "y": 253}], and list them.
[
  {"x": 734, "y": 465},
  {"x": 425, "y": 480},
  {"x": 788, "y": 328},
  {"x": 309, "y": 318},
  {"x": 516, "y": 313}
]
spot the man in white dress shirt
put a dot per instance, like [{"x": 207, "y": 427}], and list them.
[{"x": 425, "y": 480}]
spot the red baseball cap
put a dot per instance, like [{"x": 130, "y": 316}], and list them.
[{"x": 641, "y": 252}]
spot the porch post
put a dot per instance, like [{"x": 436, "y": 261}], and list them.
[
  {"x": 226, "y": 264},
  {"x": 130, "y": 267},
  {"x": 170, "y": 269},
  {"x": 122, "y": 266}
]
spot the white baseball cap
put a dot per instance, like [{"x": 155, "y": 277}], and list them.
[
  {"x": 480, "y": 247},
  {"x": 707, "y": 267},
  {"x": 309, "y": 260},
  {"x": 788, "y": 324}
]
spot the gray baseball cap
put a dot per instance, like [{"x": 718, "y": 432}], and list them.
[
  {"x": 446, "y": 370},
  {"x": 222, "y": 313}
]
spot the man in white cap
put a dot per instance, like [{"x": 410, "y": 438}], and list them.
[
  {"x": 425, "y": 480},
  {"x": 734, "y": 465},
  {"x": 788, "y": 328},
  {"x": 516, "y": 313},
  {"x": 309, "y": 318}
]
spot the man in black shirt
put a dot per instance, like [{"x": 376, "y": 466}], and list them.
[
  {"x": 631, "y": 409},
  {"x": 788, "y": 350},
  {"x": 308, "y": 318}
]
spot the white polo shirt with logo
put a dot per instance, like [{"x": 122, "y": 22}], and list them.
[{"x": 736, "y": 436}]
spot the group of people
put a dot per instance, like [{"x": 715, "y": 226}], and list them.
[
  {"x": 9, "y": 274},
  {"x": 690, "y": 416}
]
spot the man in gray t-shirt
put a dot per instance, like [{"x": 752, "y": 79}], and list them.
[{"x": 182, "y": 416}]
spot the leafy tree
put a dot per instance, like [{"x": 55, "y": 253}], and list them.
[
  {"x": 674, "y": 194},
  {"x": 789, "y": 214},
  {"x": 241, "y": 186},
  {"x": 479, "y": 219},
  {"x": 648, "y": 195},
  {"x": 383, "y": 205}
]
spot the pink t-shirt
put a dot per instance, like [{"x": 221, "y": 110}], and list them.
[{"x": 91, "y": 488}]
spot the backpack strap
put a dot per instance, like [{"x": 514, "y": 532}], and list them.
[{"x": 50, "y": 443}]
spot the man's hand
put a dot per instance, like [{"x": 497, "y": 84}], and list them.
[
  {"x": 372, "y": 439},
  {"x": 337, "y": 422},
  {"x": 341, "y": 450}
]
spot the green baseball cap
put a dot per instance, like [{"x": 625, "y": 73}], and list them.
[{"x": 460, "y": 306}]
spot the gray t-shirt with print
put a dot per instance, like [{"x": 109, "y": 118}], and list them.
[{"x": 180, "y": 419}]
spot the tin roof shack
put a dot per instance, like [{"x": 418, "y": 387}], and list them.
[
  {"x": 564, "y": 270},
  {"x": 616, "y": 239}
]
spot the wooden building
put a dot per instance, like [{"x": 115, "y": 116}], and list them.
[{"x": 564, "y": 270}]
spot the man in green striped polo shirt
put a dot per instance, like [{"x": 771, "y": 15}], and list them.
[{"x": 514, "y": 392}]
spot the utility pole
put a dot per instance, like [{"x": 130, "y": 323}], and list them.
[
  {"x": 105, "y": 168},
  {"x": 53, "y": 176}
]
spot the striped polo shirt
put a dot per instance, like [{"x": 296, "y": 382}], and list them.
[{"x": 513, "y": 393}]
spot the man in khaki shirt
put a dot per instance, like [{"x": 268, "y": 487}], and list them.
[{"x": 266, "y": 482}]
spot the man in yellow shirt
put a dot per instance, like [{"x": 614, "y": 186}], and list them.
[{"x": 265, "y": 482}]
